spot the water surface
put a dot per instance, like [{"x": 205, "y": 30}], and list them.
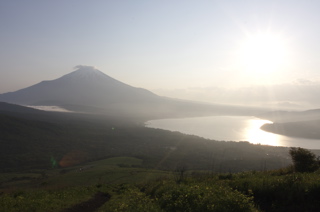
[{"x": 232, "y": 128}]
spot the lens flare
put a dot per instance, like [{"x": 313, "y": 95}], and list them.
[
  {"x": 53, "y": 162},
  {"x": 73, "y": 158}
]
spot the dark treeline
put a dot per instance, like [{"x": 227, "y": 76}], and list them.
[{"x": 29, "y": 142}]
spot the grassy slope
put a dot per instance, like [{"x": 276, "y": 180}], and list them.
[
  {"x": 279, "y": 190},
  {"x": 107, "y": 171}
]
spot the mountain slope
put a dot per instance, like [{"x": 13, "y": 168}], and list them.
[
  {"x": 85, "y": 86},
  {"x": 91, "y": 91},
  {"x": 291, "y": 116}
]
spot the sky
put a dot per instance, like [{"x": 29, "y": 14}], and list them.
[{"x": 237, "y": 52}]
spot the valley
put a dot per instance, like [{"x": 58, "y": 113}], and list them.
[{"x": 101, "y": 153}]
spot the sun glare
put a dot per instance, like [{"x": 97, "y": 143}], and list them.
[
  {"x": 255, "y": 135},
  {"x": 262, "y": 53}
]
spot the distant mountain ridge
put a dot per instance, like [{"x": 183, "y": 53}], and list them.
[
  {"x": 85, "y": 86},
  {"x": 302, "y": 124},
  {"x": 89, "y": 90}
]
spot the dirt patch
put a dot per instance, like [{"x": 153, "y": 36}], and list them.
[{"x": 91, "y": 205}]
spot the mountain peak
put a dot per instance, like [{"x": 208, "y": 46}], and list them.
[
  {"x": 85, "y": 72},
  {"x": 86, "y": 86},
  {"x": 86, "y": 69},
  {"x": 88, "y": 75}
]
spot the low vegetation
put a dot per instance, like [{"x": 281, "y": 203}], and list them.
[
  {"x": 247, "y": 191},
  {"x": 276, "y": 190}
]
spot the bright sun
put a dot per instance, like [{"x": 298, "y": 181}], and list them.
[{"x": 262, "y": 53}]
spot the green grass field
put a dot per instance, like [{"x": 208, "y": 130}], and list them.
[
  {"x": 120, "y": 185},
  {"x": 109, "y": 171}
]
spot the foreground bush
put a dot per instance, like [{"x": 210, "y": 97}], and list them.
[
  {"x": 42, "y": 200},
  {"x": 274, "y": 191},
  {"x": 197, "y": 196},
  {"x": 130, "y": 199}
]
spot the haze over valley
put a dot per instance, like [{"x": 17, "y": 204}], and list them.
[{"x": 89, "y": 90}]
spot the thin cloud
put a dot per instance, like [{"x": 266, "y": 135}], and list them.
[
  {"x": 84, "y": 67},
  {"x": 300, "y": 93}
]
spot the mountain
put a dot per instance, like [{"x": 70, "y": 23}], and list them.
[
  {"x": 291, "y": 116},
  {"x": 85, "y": 90},
  {"x": 85, "y": 86},
  {"x": 91, "y": 91}
]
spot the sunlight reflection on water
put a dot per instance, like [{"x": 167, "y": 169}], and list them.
[
  {"x": 232, "y": 128},
  {"x": 255, "y": 135}
]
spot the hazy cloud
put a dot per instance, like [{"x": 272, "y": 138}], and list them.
[
  {"x": 49, "y": 108},
  {"x": 84, "y": 67},
  {"x": 304, "y": 82},
  {"x": 301, "y": 94}
]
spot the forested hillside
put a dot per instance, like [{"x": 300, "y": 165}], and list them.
[{"x": 27, "y": 144}]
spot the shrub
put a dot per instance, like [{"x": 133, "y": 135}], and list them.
[
  {"x": 303, "y": 160},
  {"x": 131, "y": 199},
  {"x": 201, "y": 197}
]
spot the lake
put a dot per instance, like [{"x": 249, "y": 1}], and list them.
[{"x": 231, "y": 128}]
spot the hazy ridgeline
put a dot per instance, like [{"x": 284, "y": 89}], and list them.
[
  {"x": 28, "y": 142},
  {"x": 88, "y": 90}
]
